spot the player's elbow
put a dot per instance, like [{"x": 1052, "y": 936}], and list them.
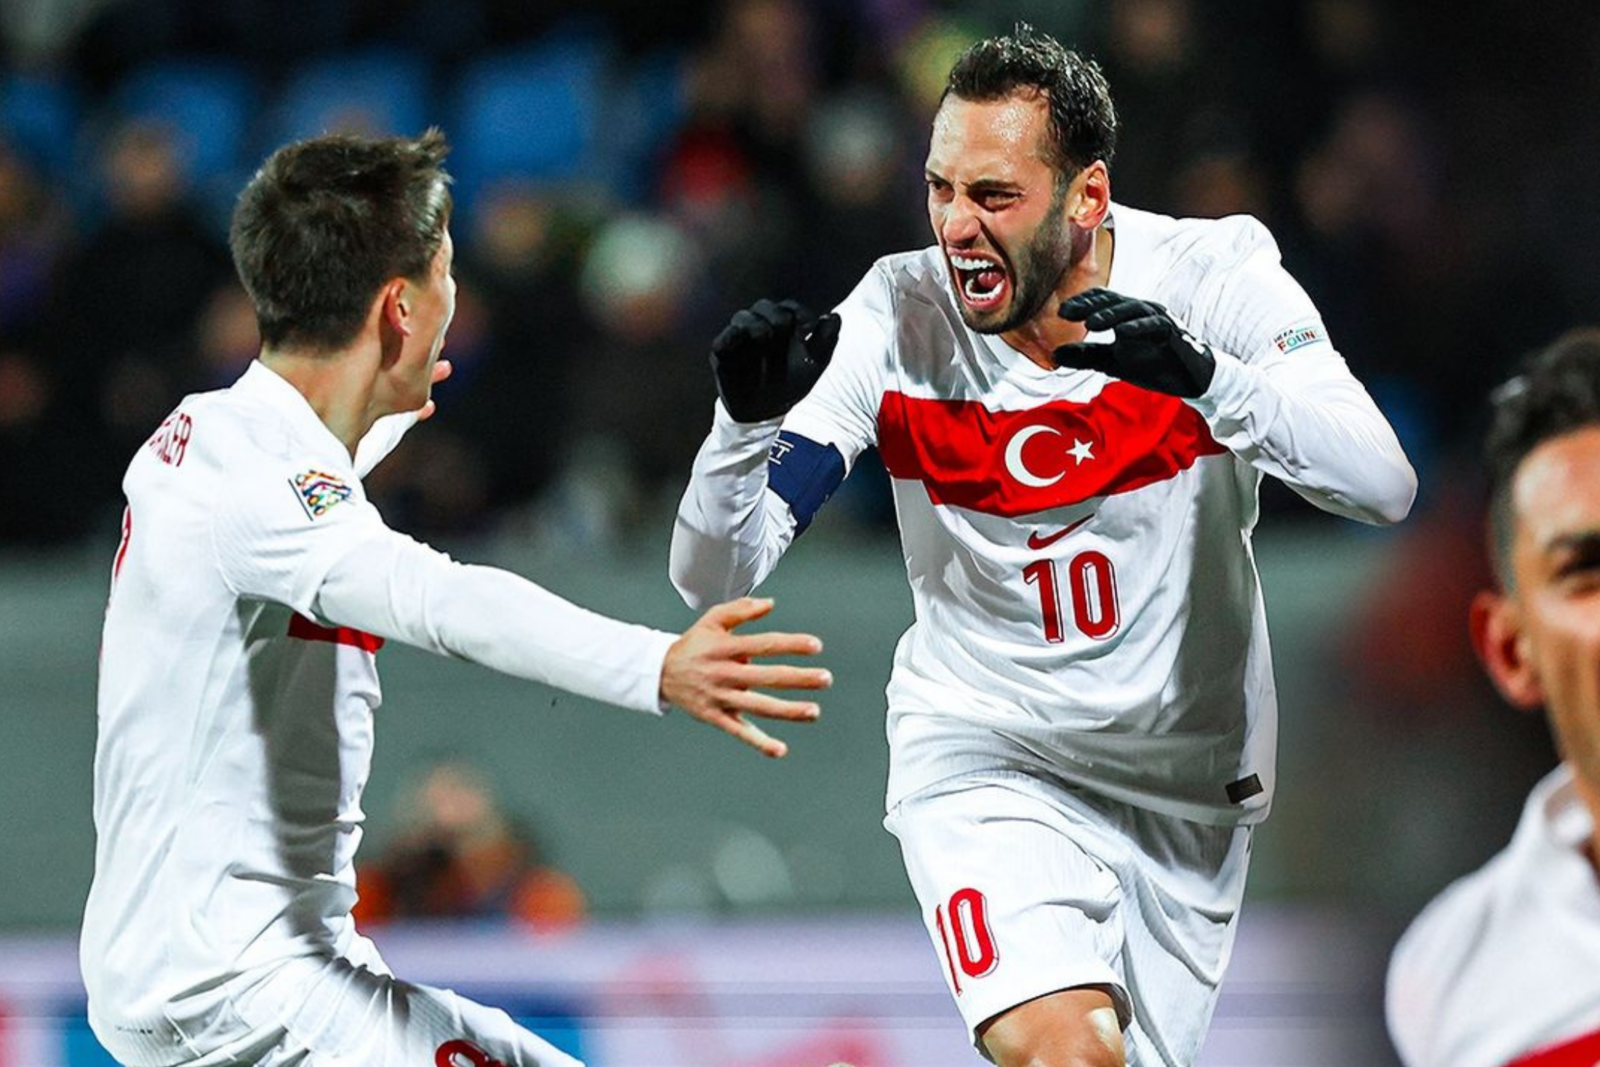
[
  {"x": 700, "y": 574},
  {"x": 1383, "y": 498},
  {"x": 697, "y": 599},
  {"x": 1398, "y": 492}
]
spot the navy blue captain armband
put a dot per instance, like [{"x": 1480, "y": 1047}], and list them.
[{"x": 805, "y": 474}]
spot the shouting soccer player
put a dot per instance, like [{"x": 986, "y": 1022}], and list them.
[
  {"x": 238, "y": 682},
  {"x": 1503, "y": 969},
  {"x": 1076, "y": 401}
]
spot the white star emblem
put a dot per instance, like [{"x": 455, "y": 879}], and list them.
[{"x": 1080, "y": 451}]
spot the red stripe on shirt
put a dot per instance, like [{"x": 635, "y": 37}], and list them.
[
  {"x": 1583, "y": 1052},
  {"x": 306, "y": 630},
  {"x": 966, "y": 455}
]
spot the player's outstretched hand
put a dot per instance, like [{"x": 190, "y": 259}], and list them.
[
  {"x": 708, "y": 673},
  {"x": 1150, "y": 349},
  {"x": 769, "y": 356}
]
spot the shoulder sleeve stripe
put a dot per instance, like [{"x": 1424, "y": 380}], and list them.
[{"x": 804, "y": 474}]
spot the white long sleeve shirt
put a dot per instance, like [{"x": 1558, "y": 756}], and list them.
[
  {"x": 238, "y": 681},
  {"x": 1086, "y": 602},
  {"x": 1502, "y": 969}
]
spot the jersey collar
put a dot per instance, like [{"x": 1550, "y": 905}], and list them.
[{"x": 266, "y": 385}]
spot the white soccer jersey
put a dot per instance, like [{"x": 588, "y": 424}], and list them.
[
  {"x": 1078, "y": 548},
  {"x": 236, "y": 703},
  {"x": 1503, "y": 968}
]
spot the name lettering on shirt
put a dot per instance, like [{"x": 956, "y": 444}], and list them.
[{"x": 170, "y": 442}]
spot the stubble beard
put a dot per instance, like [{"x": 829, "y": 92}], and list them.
[{"x": 1035, "y": 275}]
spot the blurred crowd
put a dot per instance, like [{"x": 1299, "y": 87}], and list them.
[{"x": 627, "y": 177}]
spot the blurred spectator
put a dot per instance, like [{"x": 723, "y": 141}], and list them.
[
  {"x": 513, "y": 400},
  {"x": 42, "y": 452},
  {"x": 226, "y": 340},
  {"x": 463, "y": 856},
  {"x": 645, "y": 388},
  {"x": 34, "y": 227},
  {"x": 734, "y": 174},
  {"x": 860, "y": 200},
  {"x": 123, "y": 308}
]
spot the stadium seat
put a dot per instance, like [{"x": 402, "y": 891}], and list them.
[
  {"x": 376, "y": 91},
  {"x": 208, "y": 105},
  {"x": 39, "y": 118},
  {"x": 532, "y": 113},
  {"x": 644, "y": 107}
]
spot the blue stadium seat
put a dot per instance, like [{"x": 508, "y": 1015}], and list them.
[
  {"x": 532, "y": 113},
  {"x": 375, "y": 91},
  {"x": 39, "y": 118},
  {"x": 644, "y": 108},
  {"x": 208, "y": 104}
]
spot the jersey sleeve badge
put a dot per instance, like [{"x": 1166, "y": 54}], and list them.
[
  {"x": 1298, "y": 337},
  {"x": 319, "y": 492}
]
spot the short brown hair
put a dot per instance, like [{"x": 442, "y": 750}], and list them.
[
  {"x": 325, "y": 222},
  {"x": 1556, "y": 392},
  {"x": 1083, "y": 121}
]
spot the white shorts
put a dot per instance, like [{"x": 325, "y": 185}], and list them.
[
  {"x": 1029, "y": 886},
  {"x": 314, "y": 1012}
]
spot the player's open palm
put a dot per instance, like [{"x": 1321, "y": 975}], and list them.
[{"x": 709, "y": 673}]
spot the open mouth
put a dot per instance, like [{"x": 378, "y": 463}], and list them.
[{"x": 982, "y": 282}]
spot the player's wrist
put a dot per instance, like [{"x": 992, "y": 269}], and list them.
[
  {"x": 733, "y": 430},
  {"x": 1230, "y": 381}
]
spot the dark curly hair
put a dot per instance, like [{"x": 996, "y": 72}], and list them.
[
  {"x": 1556, "y": 392},
  {"x": 325, "y": 222},
  {"x": 1083, "y": 121}
]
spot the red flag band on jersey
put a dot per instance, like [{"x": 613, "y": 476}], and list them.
[
  {"x": 1019, "y": 462},
  {"x": 1583, "y": 1052},
  {"x": 306, "y": 630}
]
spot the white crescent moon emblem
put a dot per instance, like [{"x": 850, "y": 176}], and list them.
[{"x": 1014, "y": 457}]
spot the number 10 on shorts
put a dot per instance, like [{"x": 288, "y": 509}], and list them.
[{"x": 966, "y": 937}]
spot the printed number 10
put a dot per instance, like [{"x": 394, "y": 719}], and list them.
[{"x": 1092, "y": 587}]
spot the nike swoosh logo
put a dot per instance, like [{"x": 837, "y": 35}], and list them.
[{"x": 1036, "y": 542}]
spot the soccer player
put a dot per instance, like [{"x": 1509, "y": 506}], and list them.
[
  {"x": 1076, "y": 401},
  {"x": 1503, "y": 968},
  {"x": 238, "y": 684}
]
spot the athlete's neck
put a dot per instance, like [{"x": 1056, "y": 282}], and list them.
[
  {"x": 1046, "y": 331},
  {"x": 339, "y": 386}
]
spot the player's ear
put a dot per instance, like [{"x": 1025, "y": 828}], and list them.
[
  {"x": 394, "y": 306},
  {"x": 1092, "y": 186},
  {"x": 1502, "y": 644}
]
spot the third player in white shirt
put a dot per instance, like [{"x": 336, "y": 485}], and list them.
[{"x": 1503, "y": 969}]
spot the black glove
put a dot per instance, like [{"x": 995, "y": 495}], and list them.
[
  {"x": 1150, "y": 350},
  {"x": 770, "y": 356}
]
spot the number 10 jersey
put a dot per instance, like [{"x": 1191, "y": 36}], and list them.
[{"x": 1078, "y": 548}]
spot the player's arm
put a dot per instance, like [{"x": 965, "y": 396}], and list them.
[
  {"x": 395, "y": 587},
  {"x": 1269, "y": 383},
  {"x": 310, "y": 542},
  {"x": 790, "y": 418}
]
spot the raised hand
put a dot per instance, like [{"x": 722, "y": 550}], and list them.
[
  {"x": 708, "y": 673},
  {"x": 1150, "y": 349},
  {"x": 769, "y": 356}
]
